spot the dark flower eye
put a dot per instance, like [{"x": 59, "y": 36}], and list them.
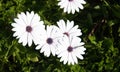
[
  {"x": 70, "y": 49},
  {"x": 49, "y": 41},
  {"x": 66, "y": 33},
  {"x": 28, "y": 28},
  {"x": 70, "y": 0}
]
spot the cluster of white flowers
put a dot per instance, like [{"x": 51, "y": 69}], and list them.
[{"x": 61, "y": 40}]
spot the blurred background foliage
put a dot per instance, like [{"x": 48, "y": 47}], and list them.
[{"x": 99, "y": 22}]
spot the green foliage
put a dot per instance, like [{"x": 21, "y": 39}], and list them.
[{"x": 99, "y": 22}]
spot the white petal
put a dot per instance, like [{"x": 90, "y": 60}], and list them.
[
  {"x": 24, "y": 18},
  {"x": 69, "y": 8},
  {"x": 70, "y": 59},
  {"x": 46, "y": 50},
  {"x": 75, "y": 41},
  {"x": 14, "y": 24},
  {"x": 65, "y": 9},
  {"x": 30, "y": 17},
  {"x": 79, "y": 56},
  {"x": 82, "y": 48},
  {"x": 38, "y": 47},
  {"x": 64, "y": 57},
  {"x": 65, "y": 42},
  {"x": 63, "y": 4},
  {"x": 29, "y": 39},
  {"x": 39, "y": 35},
  {"x": 52, "y": 48},
  {"x": 49, "y": 29},
  {"x": 69, "y": 25},
  {"x": 75, "y": 31},
  {"x": 82, "y": 43},
  {"x": 74, "y": 57},
  {"x": 36, "y": 20},
  {"x": 77, "y": 8},
  {"x": 81, "y": 1},
  {"x": 61, "y": 25},
  {"x": 20, "y": 22},
  {"x": 23, "y": 39},
  {"x": 80, "y": 6},
  {"x": 73, "y": 8}
]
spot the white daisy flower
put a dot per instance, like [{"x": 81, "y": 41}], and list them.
[
  {"x": 68, "y": 28},
  {"x": 49, "y": 41},
  {"x": 71, "y": 5},
  {"x": 28, "y": 28},
  {"x": 70, "y": 49}
]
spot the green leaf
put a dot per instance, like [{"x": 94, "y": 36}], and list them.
[
  {"x": 92, "y": 39},
  {"x": 108, "y": 44},
  {"x": 34, "y": 59}
]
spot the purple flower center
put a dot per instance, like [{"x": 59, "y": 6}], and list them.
[
  {"x": 70, "y": 0},
  {"x": 49, "y": 40},
  {"x": 70, "y": 49},
  {"x": 66, "y": 33},
  {"x": 28, "y": 28}
]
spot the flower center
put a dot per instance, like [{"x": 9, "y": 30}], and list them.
[
  {"x": 28, "y": 28},
  {"x": 70, "y": 0},
  {"x": 66, "y": 33},
  {"x": 70, "y": 49},
  {"x": 49, "y": 40}
]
